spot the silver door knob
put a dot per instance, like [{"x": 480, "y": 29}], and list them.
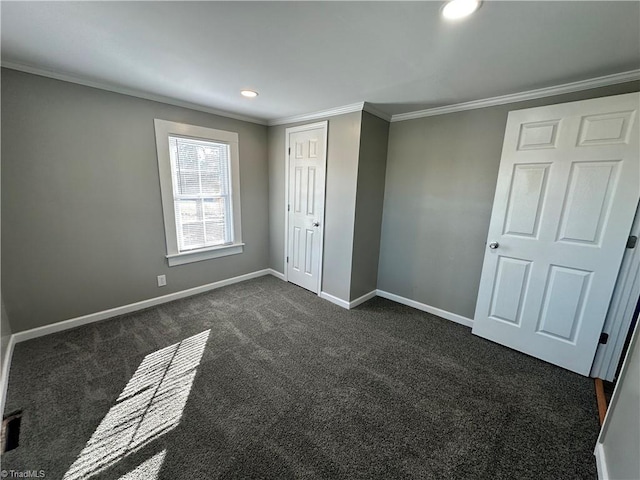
[
  {"x": 494, "y": 245},
  {"x": 316, "y": 224}
]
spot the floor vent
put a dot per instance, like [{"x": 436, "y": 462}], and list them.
[{"x": 10, "y": 431}]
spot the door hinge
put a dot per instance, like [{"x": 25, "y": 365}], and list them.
[
  {"x": 287, "y": 259},
  {"x": 604, "y": 338},
  {"x": 289, "y": 152},
  {"x": 288, "y": 208},
  {"x": 631, "y": 242}
]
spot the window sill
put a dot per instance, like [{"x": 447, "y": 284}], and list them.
[{"x": 204, "y": 254}]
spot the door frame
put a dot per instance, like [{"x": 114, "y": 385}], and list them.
[
  {"x": 324, "y": 125},
  {"x": 621, "y": 311}
]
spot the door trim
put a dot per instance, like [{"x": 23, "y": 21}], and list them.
[
  {"x": 301, "y": 128},
  {"x": 621, "y": 311}
]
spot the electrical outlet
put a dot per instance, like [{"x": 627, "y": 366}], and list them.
[{"x": 162, "y": 280}]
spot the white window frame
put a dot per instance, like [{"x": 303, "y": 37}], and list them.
[{"x": 164, "y": 129}]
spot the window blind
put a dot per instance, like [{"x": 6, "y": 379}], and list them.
[{"x": 201, "y": 178}]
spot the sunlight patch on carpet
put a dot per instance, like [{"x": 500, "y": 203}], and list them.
[
  {"x": 148, "y": 470},
  {"x": 150, "y": 405}
]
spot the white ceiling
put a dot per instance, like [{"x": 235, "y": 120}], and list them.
[{"x": 309, "y": 56}]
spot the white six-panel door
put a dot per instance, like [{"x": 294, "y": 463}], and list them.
[
  {"x": 568, "y": 187},
  {"x": 305, "y": 204}
]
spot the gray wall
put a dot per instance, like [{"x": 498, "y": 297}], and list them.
[
  {"x": 5, "y": 332},
  {"x": 369, "y": 201},
  {"x": 82, "y": 227},
  {"x": 277, "y": 185},
  {"x": 440, "y": 182},
  {"x": 342, "y": 173},
  {"x": 82, "y": 220}
]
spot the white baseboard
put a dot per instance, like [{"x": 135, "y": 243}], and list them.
[
  {"x": 348, "y": 305},
  {"x": 276, "y": 274},
  {"x": 114, "y": 312},
  {"x": 362, "y": 299},
  {"x": 338, "y": 301},
  {"x": 601, "y": 462},
  {"x": 133, "y": 307},
  {"x": 7, "y": 355},
  {"x": 454, "y": 317}
]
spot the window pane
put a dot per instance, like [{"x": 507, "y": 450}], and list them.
[
  {"x": 212, "y": 184},
  {"x": 216, "y": 233},
  {"x": 187, "y": 155},
  {"x": 188, "y": 182},
  {"x": 201, "y": 173},
  {"x": 192, "y": 236},
  {"x": 214, "y": 208},
  {"x": 189, "y": 211},
  {"x": 214, "y": 152}
]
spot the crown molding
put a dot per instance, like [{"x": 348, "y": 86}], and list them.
[
  {"x": 128, "y": 91},
  {"x": 522, "y": 96},
  {"x": 603, "y": 81},
  {"x": 354, "y": 107},
  {"x": 596, "y": 82},
  {"x": 377, "y": 112}
]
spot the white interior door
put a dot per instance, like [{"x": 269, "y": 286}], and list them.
[
  {"x": 306, "y": 151},
  {"x": 568, "y": 186}
]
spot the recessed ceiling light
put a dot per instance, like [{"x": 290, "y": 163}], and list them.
[
  {"x": 456, "y": 9},
  {"x": 248, "y": 93}
]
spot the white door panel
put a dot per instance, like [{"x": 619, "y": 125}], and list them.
[
  {"x": 526, "y": 195},
  {"x": 305, "y": 204},
  {"x": 568, "y": 186}
]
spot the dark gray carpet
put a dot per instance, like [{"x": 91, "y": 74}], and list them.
[{"x": 291, "y": 386}]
